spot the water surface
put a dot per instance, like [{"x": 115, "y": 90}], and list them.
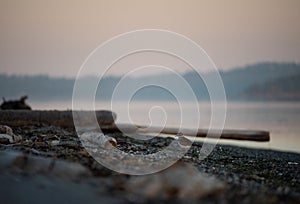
[{"x": 280, "y": 118}]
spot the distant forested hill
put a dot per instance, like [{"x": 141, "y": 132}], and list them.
[
  {"x": 284, "y": 88},
  {"x": 36, "y": 87},
  {"x": 239, "y": 80},
  {"x": 263, "y": 81}
]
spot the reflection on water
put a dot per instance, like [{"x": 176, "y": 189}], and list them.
[{"x": 280, "y": 118}]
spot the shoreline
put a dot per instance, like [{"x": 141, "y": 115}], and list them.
[
  {"x": 247, "y": 175},
  {"x": 254, "y": 146},
  {"x": 64, "y": 118}
]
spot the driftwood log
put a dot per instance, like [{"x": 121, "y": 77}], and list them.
[
  {"x": 250, "y": 135},
  {"x": 53, "y": 117}
]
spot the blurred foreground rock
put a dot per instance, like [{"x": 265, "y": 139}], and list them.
[
  {"x": 181, "y": 181},
  {"x": 25, "y": 163}
]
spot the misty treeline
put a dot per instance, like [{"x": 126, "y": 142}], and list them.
[{"x": 263, "y": 81}]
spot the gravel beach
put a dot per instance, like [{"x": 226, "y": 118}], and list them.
[{"x": 50, "y": 161}]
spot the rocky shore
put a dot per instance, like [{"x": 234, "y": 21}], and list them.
[{"x": 50, "y": 165}]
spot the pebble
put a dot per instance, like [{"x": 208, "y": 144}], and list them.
[
  {"x": 54, "y": 142},
  {"x": 292, "y": 163}
]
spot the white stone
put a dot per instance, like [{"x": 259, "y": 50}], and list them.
[
  {"x": 98, "y": 139},
  {"x": 7, "y": 133}
]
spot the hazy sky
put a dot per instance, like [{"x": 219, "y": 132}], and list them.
[{"x": 54, "y": 37}]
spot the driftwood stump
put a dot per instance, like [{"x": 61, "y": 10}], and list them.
[{"x": 15, "y": 104}]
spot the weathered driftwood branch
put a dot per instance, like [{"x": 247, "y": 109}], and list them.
[{"x": 250, "y": 135}]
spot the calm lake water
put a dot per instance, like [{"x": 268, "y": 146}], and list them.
[{"x": 282, "y": 119}]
